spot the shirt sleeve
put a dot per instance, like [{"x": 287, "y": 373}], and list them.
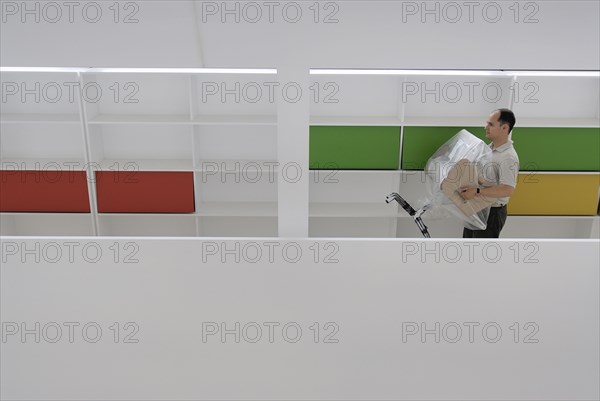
[{"x": 508, "y": 171}]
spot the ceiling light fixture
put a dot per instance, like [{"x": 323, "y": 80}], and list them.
[
  {"x": 268, "y": 71},
  {"x": 488, "y": 73}
]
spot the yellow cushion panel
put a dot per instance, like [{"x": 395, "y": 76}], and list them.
[{"x": 555, "y": 194}]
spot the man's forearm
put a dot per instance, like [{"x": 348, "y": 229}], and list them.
[{"x": 497, "y": 191}]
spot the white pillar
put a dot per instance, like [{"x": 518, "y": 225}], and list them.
[{"x": 293, "y": 109}]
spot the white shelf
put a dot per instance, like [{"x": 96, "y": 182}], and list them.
[
  {"x": 359, "y": 172},
  {"x": 46, "y": 224},
  {"x": 183, "y": 119},
  {"x": 237, "y": 226},
  {"x": 147, "y": 225},
  {"x": 146, "y": 165},
  {"x": 554, "y": 217},
  {"x": 450, "y": 121},
  {"x": 516, "y": 227},
  {"x": 12, "y": 118},
  {"x": 532, "y": 173},
  {"x": 401, "y": 172},
  {"x": 558, "y": 122},
  {"x": 235, "y": 120},
  {"x": 241, "y": 209},
  {"x": 56, "y": 141},
  {"x": 236, "y": 165},
  {"x": 521, "y": 122},
  {"x": 551, "y": 227},
  {"x": 352, "y": 120},
  {"x": 140, "y": 119},
  {"x": 445, "y": 121},
  {"x": 66, "y": 164},
  {"x": 344, "y": 209},
  {"x": 161, "y": 215},
  {"x": 44, "y": 214}
]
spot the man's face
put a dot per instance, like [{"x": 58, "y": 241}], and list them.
[{"x": 493, "y": 129}]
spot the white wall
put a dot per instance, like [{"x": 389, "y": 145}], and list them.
[{"x": 372, "y": 294}]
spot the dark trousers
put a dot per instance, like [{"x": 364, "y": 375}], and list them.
[{"x": 495, "y": 222}]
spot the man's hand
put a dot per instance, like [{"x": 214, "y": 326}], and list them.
[
  {"x": 496, "y": 191},
  {"x": 468, "y": 193}
]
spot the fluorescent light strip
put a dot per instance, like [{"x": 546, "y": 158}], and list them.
[
  {"x": 589, "y": 74},
  {"x": 272, "y": 71},
  {"x": 186, "y": 70},
  {"x": 267, "y": 71},
  {"x": 487, "y": 73},
  {"x": 407, "y": 72},
  {"x": 40, "y": 69}
]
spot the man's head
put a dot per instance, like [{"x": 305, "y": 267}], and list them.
[{"x": 499, "y": 124}]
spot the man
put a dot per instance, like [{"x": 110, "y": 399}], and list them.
[{"x": 502, "y": 173}]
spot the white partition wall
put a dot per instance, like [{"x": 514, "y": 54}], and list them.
[
  {"x": 193, "y": 201},
  {"x": 271, "y": 318}
]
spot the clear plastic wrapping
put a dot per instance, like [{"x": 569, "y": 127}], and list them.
[{"x": 456, "y": 165}]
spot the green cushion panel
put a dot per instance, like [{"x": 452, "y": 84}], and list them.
[
  {"x": 354, "y": 147},
  {"x": 564, "y": 149},
  {"x": 422, "y": 142},
  {"x": 539, "y": 149}
]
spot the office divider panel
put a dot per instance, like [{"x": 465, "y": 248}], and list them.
[{"x": 299, "y": 319}]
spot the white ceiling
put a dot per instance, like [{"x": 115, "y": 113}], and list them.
[{"x": 376, "y": 34}]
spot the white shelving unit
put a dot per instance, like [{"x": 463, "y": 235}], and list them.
[
  {"x": 149, "y": 122},
  {"x": 193, "y": 122},
  {"x": 235, "y": 154},
  {"x": 396, "y": 100}
]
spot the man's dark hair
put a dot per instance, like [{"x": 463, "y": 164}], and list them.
[{"x": 507, "y": 117}]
